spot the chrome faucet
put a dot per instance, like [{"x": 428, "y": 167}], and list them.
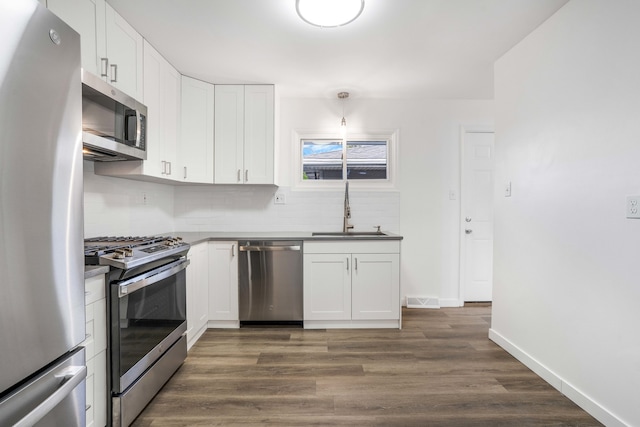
[{"x": 347, "y": 210}]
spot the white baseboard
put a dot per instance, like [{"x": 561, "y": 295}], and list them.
[
  {"x": 223, "y": 324},
  {"x": 450, "y": 302},
  {"x": 579, "y": 398}
]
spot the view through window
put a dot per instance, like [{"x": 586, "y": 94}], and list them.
[{"x": 331, "y": 159}]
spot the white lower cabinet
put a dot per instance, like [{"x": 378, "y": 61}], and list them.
[
  {"x": 352, "y": 284},
  {"x": 197, "y": 292},
  {"x": 327, "y": 286},
  {"x": 95, "y": 346},
  {"x": 223, "y": 286}
]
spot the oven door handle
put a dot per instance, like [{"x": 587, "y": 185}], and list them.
[{"x": 152, "y": 277}]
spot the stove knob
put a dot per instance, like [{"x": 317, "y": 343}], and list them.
[{"x": 118, "y": 254}]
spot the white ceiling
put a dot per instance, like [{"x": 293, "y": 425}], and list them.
[{"x": 395, "y": 49}]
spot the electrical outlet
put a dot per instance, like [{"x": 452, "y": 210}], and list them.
[
  {"x": 633, "y": 207},
  {"x": 142, "y": 198},
  {"x": 507, "y": 189},
  {"x": 279, "y": 199}
]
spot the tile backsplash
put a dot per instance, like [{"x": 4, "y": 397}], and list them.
[
  {"x": 124, "y": 207},
  {"x": 115, "y": 206},
  {"x": 252, "y": 208}
]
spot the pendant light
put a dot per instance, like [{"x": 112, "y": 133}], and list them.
[
  {"x": 343, "y": 123},
  {"x": 329, "y": 13}
]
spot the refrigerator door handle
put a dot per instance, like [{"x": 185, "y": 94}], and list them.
[{"x": 69, "y": 378}]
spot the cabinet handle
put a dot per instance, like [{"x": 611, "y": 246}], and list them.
[
  {"x": 185, "y": 172},
  {"x": 86, "y": 408},
  {"x": 104, "y": 66},
  {"x": 169, "y": 164},
  {"x": 114, "y": 73},
  {"x": 246, "y": 175},
  {"x": 233, "y": 251},
  {"x": 355, "y": 264},
  {"x": 238, "y": 175},
  {"x": 164, "y": 167},
  {"x": 347, "y": 263}
]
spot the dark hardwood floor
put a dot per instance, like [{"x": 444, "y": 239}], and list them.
[{"x": 439, "y": 370}]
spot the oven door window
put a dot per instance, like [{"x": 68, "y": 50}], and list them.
[{"x": 147, "y": 318}]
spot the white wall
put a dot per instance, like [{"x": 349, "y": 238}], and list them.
[{"x": 566, "y": 282}]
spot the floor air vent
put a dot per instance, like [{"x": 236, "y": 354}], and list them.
[{"x": 422, "y": 302}]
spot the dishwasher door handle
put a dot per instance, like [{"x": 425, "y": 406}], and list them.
[{"x": 268, "y": 248}]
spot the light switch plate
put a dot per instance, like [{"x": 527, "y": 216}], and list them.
[
  {"x": 633, "y": 207},
  {"x": 507, "y": 189}
]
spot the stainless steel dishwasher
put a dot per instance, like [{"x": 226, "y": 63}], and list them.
[{"x": 270, "y": 282}]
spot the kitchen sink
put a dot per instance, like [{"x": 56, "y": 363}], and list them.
[{"x": 349, "y": 234}]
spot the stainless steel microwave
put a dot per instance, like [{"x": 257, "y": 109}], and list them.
[{"x": 113, "y": 123}]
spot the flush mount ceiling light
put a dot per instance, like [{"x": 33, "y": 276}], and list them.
[{"x": 329, "y": 13}]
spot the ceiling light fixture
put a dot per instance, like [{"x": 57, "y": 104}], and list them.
[
  {"x": 329, "y": 13},
  {"x": 343, "y": 123}
]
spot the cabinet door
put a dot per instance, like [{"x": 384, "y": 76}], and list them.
[
  {"x": 197, "y": 291},
  {"x": 96, "y": 391},
  {"x": 223, "y": 287},
  {"x": 375, "y": 286},
  {"x": 196, "y": 141},
  {"x": 229, "y": 134},
  {"x": 124, "y": 50},
  {"x": 162, "y": 98},
  {"x": 87, "y": 17},
  {"x": 170, "y": 129},
  {"x": 327, "y": 286},
  {"x": 153, "y": 63},
  {"x": 258, "y": 134}
]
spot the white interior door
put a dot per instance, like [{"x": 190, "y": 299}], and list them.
[{"x": 476, "y": 248}]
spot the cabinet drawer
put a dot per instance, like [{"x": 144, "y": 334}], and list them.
[
  {"x": 96, "y": 328},
  {"x": 94, "y": 289}
]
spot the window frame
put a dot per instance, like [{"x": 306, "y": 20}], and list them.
[{"x": 390, "y": 136}]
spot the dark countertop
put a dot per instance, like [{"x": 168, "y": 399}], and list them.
[
  {"x": 95, "y": 270},
  {"x": 194, "y": 238}
]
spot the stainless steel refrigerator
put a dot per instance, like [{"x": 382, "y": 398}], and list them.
[{"x": 42, "y": 314}]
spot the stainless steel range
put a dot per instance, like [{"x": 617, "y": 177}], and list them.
[{"x": 147, "y": 316}]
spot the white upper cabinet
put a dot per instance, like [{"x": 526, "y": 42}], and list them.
[
  {"x": 196, "y": 142},
  {"x": 244, "y": 134},
  {"x": 124, "y": 55},
  {"x": 258, "y": 134},
  {"x": 87, "y": 17},
  {"x": 162, "y": 97},
  {"x": 111, "y": 48}
]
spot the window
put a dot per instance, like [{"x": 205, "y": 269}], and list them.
[{"x": 326, "y": 161}]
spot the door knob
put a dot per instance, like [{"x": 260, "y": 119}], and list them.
[
  {"x": 468, "y": 219},
  {"x": 468, "y": 231}
]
